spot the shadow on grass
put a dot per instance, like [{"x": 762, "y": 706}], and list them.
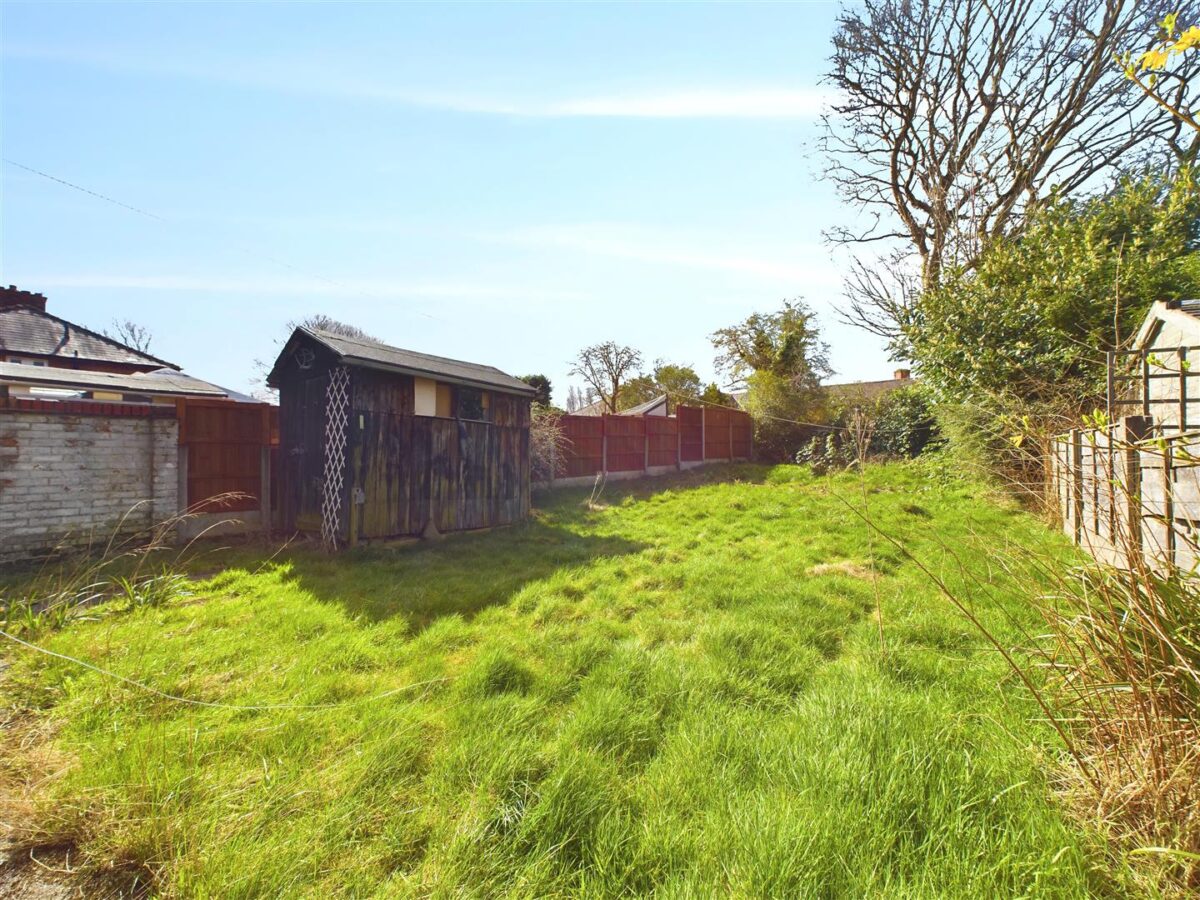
[
  {"x": 465, "y": 574},
  {"x": 569, "y": 503},
  {"x": 460, "y": 575}
]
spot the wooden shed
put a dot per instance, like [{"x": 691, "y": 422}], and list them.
[{"x": 379, "y": 442}]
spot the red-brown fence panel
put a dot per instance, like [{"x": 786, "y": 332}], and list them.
[
  {"x": 717, "y": 443},
  {"x": 743, "y": 434},
  {"x": 691, "y": 433},
  {"x": 584, "y": 451},
  {"x": 224, "y": 442},
  {"x": 626, "y": 440},
  {"x": 662, "y": 436}
]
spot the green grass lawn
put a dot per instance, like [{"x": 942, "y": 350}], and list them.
[{"x": 680, "y": 692}]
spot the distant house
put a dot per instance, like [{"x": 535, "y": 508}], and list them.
[
  {"x": 99, "y": 439},
  {"x": 656, "y": 406},
  {"x": 381, "y": 442},
  {"x": 33, "y": 337},
  {"x": 44, "y": 356},
  {"x": 849, "y": 392}
]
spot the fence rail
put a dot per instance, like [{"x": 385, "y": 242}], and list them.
[
  {"x": 633, "y": 444},
  {"x": 1155, "y": 381},
  {"x": 1129, "y": 496}
]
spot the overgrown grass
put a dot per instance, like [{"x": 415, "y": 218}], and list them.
[{"x": 680, "y": 689}]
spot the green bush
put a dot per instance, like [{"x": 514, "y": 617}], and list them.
[{"x": 904, "y": 422}]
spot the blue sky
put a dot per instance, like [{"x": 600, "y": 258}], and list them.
[{"x": 500, "y": 183}]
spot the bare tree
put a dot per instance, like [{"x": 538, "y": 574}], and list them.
[
  {"x": 131, "y": 334},
  {"x": 315, "y": 322},
  {"x": 322, "y": 322},
  {"x": 548, "y": 444},
  {"x": 605, "y": 367},
  {"x": 957, "y": 116}
]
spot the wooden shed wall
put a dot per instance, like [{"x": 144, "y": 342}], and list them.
[
  {"x": 404, "y": 470},
  {"x": 301, "y": 459}
]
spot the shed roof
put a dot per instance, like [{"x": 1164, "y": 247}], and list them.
[
  {"x": 24, "y": 329},
  {"x": 164, "y": 382},
  {"x": 376, "y": 355}
]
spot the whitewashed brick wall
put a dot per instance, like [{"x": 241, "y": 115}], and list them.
[{"x": 68, "y": 479}]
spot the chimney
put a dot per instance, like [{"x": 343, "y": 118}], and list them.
[
  {"x": 902, "y": 374},
  {"x": 12, "y": 296}
]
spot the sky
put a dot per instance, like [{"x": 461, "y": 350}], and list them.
[{"x": 502, "y": 183}]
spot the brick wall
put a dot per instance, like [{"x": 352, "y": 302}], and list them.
[{"x": 70, "y": 478}]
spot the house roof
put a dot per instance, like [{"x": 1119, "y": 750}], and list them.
[
  {"x": 376, "y": 355},
  {"x": 1183, "y": 314},
  {"x": 164, "y": 382},
  {"x": 846, "y": 390},
  {"x": 595, "y": 408},
  {"x": 599, "y": 408},
  {"x": 26, "y": 330},
  {"x": 643, "y": 409},
  {"x": 866, "y": 390}
]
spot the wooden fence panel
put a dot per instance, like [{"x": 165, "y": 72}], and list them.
[
  {"x": 625, "y": 438},
  {"x": 634, "y": 443},
  {"x": 224, "y": 443},
  {"x": 691, "y": 433},
  {"x": 584, "y": 451},
  {"x": 1120, "y": 493},
  {"x": 662, "y": 437},
  {"x": 743, "y": 434},
  {"x": 718, "y": 439}
]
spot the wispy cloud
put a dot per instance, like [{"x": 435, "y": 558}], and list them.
[
  {"x": 800, "y": 266},
  {"x": 716, "y": 103},
  {"x": 700, "y": 102},
  {"x": 747, "y": 103},
  {"x": 377, "y": 288}
]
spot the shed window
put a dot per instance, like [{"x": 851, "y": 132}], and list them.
[
  {"x": 470, "y": 404},
  {"x": 445, "y": 400}
]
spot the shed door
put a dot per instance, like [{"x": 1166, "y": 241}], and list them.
[{"x": 311, "y": 458}]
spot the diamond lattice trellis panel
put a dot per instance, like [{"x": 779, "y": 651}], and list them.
[{"x": 337, "y": 417}]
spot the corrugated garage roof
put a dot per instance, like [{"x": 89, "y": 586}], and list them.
[
  {"x": 382, "y": 356},
  {"x": 167, "y": 383},
  {"x": 24, "y": 329}
]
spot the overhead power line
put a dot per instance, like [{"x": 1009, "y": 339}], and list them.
[
  {"x": 70, "y": 184},
  {"x": 251, "y": 253}
]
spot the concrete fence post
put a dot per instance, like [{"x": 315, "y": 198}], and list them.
[
  {"x": 678, "y": 440},
  {"x": 604, "y": 443}
]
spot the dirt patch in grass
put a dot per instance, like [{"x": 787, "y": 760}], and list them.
[
  {"x": 842, "y": 567},
  {"x": 36, "y": 864},
  {"x": 38, "y": 875}
]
